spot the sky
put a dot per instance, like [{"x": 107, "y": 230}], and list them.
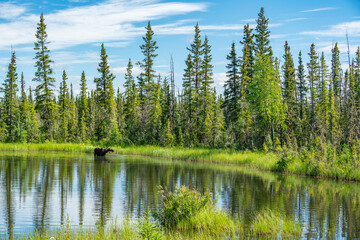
[{"x": 76, "y": 29}]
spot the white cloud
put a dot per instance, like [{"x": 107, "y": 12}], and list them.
[
  {"x": 176, "y": 28},
  {"x": 249, "y": 20},
  {"x": 112, "y": 20},
  {"x": 10, "y": 11},
  {"x": 219, "y": 79},
  {"x": 342, "y": 47},
  {"x": 295, "y": 19},
  {"x": 122, "y": 70},
  {"x": 338, "y": 30},
  {"x": 116, "y": 44},
  {"x": 78, "y": 1},
  {"x": 319, "y": 9},
  {"x": 277, "y": 36},
  {"x": 66, "y": 58}
]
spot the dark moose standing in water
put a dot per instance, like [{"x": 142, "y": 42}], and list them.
[{"x": 101, "y": 152}]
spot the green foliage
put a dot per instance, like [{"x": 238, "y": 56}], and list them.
[
  {"x": 44, "y": 91},
  {"x": 285, "y": 159},
  {"x": 10, "y": 106},
  {"x": 269, "y": 223},
  {"x": 187, "y": 210},
  {"x": 180, "y": 205},
  {"x": 264, "y": 105},
  {"x": 265, "y": 98},
  {"x": 262, "y": 36},
  {"x": 105, "y": 98},
  {"x": 149, "y": 230},
  {"x": 83, "y": 110}
]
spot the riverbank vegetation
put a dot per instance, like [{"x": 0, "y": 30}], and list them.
[
  {"x": 265, "y": 105},
  {"x": 184, "y": 214},
  {"x": 318, "y": 161}
]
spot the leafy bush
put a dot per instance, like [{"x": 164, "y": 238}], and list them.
[
  {"x": 148, "y": 229},
  {"x": 180, "y": 205},
  {"x": 188, "y": 210},
  {"x": 283, "y": 162}
]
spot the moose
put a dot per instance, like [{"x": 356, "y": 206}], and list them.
[{"x": 101, "y": 152}]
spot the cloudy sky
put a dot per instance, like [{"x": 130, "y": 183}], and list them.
[{"x": 76, "y": 29}]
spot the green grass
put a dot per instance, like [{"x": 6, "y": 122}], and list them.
[
  {"x": 269, "y": 223},
  {"x": 60, "y": 147},
  {"x": 309, "y": 163},
  {"x": 187, "y": 210},
  {"x": 184, "y": 214},
  {"x": 266, "y": 225}
]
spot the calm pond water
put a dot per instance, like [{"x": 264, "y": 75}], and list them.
[{"x": 43, "y": 190}]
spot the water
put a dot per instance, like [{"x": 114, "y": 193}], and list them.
[{"x": 43, "y": 190}]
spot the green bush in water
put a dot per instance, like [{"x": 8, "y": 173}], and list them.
[
  {"x": 187, "y": 210},
  {"x": 180, "y": 205}
]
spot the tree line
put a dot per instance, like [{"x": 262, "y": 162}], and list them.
[{"x": 264, "y": 105}]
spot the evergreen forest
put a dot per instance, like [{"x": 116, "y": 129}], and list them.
[{"x": 267, "y": 103}]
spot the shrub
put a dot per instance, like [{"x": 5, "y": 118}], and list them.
[
  {"x": 147, "y": 229},
  {"x": 180, "y": 205},
  {"x": 283, "y": 162},
  {"x": 187, "y": 210}
]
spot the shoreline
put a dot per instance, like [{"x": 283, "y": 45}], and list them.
[{"x": 291, "y": 163}]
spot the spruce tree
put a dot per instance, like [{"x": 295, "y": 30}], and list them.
[
  {"x": 43, "y": 75},
  {"x": 314, "y": 79},
  {"x": 105, "y": 95},
  {"x": 302, "y": 93},
  {"x": 83, "y": 109},
  {"x": 72, "y": 128},
  {"x": 188, "y": 96},
  {"x": 64, "y": 108},
  {"x": 206, "y": 97},
  {"x": 301, "y": 88},
  {"x": 322, "y": 112},
  {"x": 247, "y": 59},
  {"x": 336, "y": 72},
  {"x": 23, "y": 111},
  {"x": 147, "y": 85},
  {"x": 10, "y": 104},
  {"x": 232, "y": 87},
  {"x": 289, "y": 91},
  {"x": 262, "y": 35},
  {"x": 147, "y": 75},
  {"x": 196, "y": 51},
  {"x": 131, "y": 101}
]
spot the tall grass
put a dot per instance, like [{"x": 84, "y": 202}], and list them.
[
  {"x": 186, "y": 210},
  {"x": 320, "y": 162},
  {"x": 184, "y": 214},
  {"x": 60, "y": 147},
  {"x": 269, "y": 223}
]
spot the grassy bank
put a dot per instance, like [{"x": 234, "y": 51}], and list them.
[
  {"x": 344, "y": 165},
  {"x": 184, "y": 214}
]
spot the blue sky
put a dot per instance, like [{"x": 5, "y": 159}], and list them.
[{"x": 76, "y": 29}]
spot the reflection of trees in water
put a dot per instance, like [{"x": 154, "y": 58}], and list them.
[
  {"x": 82, "y": 180},
  {"x": 9, "y": 169},
  {"x": 327, "y": 207},
  {"x": 43, "y": 190},
  {"x": 65, "y": 175},
  {"x": 104, "y": 174}
]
